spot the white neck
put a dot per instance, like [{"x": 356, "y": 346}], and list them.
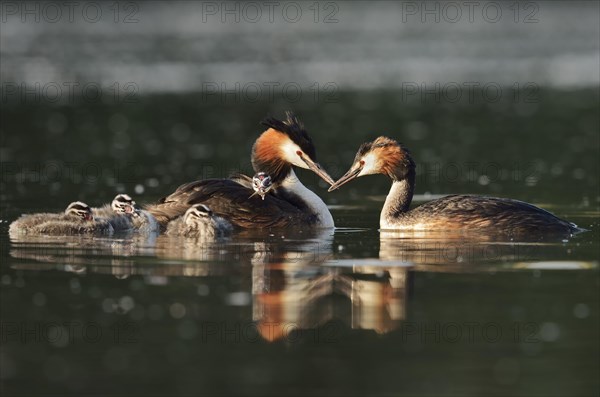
[
  {"x": 396, "y": 203},
  {"x": 314, "y": 202}
]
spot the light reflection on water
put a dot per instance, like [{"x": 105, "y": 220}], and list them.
[
  {"x": 311, "y": 294},
  {"x": 355, "y": 311}
]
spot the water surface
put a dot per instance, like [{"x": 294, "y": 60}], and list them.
[{"x": 351, "y": 311}]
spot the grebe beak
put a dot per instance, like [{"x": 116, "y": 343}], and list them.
[
  {"x": 348, "y": 176},
  {"x": 317, "y": 169}
]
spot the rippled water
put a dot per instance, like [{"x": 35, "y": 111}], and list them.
[
  {"x": 353, "y": 311},
  {"x": 350, "y": 311}
]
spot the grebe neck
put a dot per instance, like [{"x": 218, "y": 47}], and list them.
[
  {"x": 398, "y": 200},
  {"x": 312, "y": 202}
]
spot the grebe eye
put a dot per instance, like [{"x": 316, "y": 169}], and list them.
[
  {"x": 362, "y": 162},
  {"x": 299, "y": 153}
]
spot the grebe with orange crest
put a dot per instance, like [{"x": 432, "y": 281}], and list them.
[
  {"x": 283, "y": 145},
  {"x": 386, "y": 156}
]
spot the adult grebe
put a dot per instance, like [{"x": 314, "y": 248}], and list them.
[
  {"x": 199, "y": 221},
  {"x": 388, "y": 157},
  {"x": 283, "y": 145}
]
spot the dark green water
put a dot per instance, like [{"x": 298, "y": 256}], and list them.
[{"x": 349, "y": 312}]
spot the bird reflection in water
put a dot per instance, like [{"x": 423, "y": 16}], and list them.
[
  {"x": 83, "y": 254},
  {"x": 284, "y": 300},
  {"x": 296, "y": 284},
  {"x": 460, "y": 250},
  {"x": 295, "y": 291}
]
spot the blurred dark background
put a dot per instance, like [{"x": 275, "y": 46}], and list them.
[
  {"x": 497, "y": 98},
  {"x": 491, "y": 98}
]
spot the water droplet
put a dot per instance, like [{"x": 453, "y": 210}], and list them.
[
  {"x": 108, "y": 305},
  {"x": 579, "y": 173},
  {"x": 75, "y": 285},
  {"x": 187, "y": 330},
  {"x": 152, "y": 182},
  {"x": 238, "y": 299},
  {"x": 177, "y": 310},
  {"x": 118, "y": 123},
  {"x": 581, "y": 310},
  {"x": 203, "y": 290},
  {"x": 126, "y": 303},
  {"x": 39, "y": 299},
  {"x": 549, "y": 331}
]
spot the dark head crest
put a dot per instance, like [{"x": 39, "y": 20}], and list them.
[{"x": 293, "y": 128}]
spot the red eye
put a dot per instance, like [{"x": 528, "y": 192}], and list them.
[
  {"x": 362, "y": 162},
  {"x": 299, "y": 153}
]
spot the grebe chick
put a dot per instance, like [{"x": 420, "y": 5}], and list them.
[
  {"x": 276, "y": 151},
  {"x": 506, "y": 216},
  {"x": 199, "y": 221},
  {"x": 126, "y": 215},
  {"x": 77, "y": 219},
  {"x": 119, "y": 213},
  {"x": 262, "y": 183}
]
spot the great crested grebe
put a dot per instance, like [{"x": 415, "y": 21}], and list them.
[
  {"x": 124, "y": 214},
  {"x": 388, "y": 157},
  {"x": 199, "y": 221},
  {"x": 77, "y": 219},
  {"x": 283, "y": 145}
]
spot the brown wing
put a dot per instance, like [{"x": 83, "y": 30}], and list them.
[
  {"x": 232, "y": 201},
  {"x": 489, "y": 212}
]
